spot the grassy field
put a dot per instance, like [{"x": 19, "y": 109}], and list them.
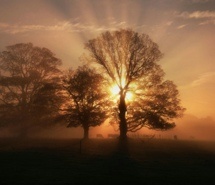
[{"x": 52, "y": 161}]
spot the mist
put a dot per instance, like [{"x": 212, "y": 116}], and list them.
[
  {"x": 189, "y": 127},
  {"x": 52, "y": 132}
]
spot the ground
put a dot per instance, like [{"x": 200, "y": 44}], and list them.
[{"x": 69, "y": 161}]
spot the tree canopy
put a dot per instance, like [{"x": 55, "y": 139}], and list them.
[
  {"x": 87, "y": 104},
  {"x": 25, "y": 71},
  {"x": 129, "y": 60}
]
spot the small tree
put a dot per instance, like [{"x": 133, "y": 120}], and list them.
[
  {"x": 129, "y": 60},
  {"x": 24, "y": 71},
  {"x": 88, "y": 101}
]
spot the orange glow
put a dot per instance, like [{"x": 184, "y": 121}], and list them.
[{"x": 114, "y": 90}]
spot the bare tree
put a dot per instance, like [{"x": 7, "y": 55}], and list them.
[
  {"x": 24, "y": 70},
  {"x": 88, "y": 102},
  {"x": 129, "y": 60}
]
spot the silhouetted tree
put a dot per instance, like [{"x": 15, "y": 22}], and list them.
[
  {"x": 88, "y": 101},
  {"x": 47, "y": 102},
  {"x": 25, "y": 70},
  {"x": 129, "y": 60}
]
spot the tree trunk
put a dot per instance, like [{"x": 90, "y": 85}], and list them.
[
  {"x": 123, "y": 143},
  {"x": 86, "y": 132},
  {"x": 122, "y": 112}
]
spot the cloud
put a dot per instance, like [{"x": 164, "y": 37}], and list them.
[
  {"x": 212, "y": 21},
  {"x": 203, "y": 79},
  {"x": 68, "y": 26},
  {"x": 206, "y": 17},
  {"x": 19, "y": 28},
  {"x": 198, "y": 15},
  {"x": 181, "y": 26},
  {"x": 16, "y": 28}
]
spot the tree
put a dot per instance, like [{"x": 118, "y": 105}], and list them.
[
  {"x": 24, "y": 71},
  {"x": 47, "y": 102},
  {"x": 129, "y": 60},
  {"x": 88, "y": 102}
]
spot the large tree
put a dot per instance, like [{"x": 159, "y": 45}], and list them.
[
  {"x": 47, "y": 103},
  {"x": 87, "y": 104},
  {"x": 129, "y": 60},
  {"x": 25, "y": 71}
]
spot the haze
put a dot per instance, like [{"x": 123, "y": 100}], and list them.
[{"x": 183, "y": 29}]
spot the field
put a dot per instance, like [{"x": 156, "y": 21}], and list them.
[{"x": 63, "y": 161}]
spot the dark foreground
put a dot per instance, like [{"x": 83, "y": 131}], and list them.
[{"x": 47, "y": 162}]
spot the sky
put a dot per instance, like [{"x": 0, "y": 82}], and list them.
[{"x": 183, "y": 29}]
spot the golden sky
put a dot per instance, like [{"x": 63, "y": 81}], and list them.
[{"x": 183, "y": 29}]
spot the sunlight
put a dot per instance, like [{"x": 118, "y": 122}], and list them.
[
  {"x": 129, "y": 96},
  {"x": 114, "y": 90}
]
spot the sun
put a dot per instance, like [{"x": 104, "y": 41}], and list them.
[{"x": 115, "y": 90}]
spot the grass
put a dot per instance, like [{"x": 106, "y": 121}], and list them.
[{"x": 52, "y": 161}]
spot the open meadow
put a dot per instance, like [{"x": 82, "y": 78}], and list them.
[{"x": 63, "y": 161}]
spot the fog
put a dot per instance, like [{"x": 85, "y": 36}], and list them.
[{"x": 189, "y": 127}]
